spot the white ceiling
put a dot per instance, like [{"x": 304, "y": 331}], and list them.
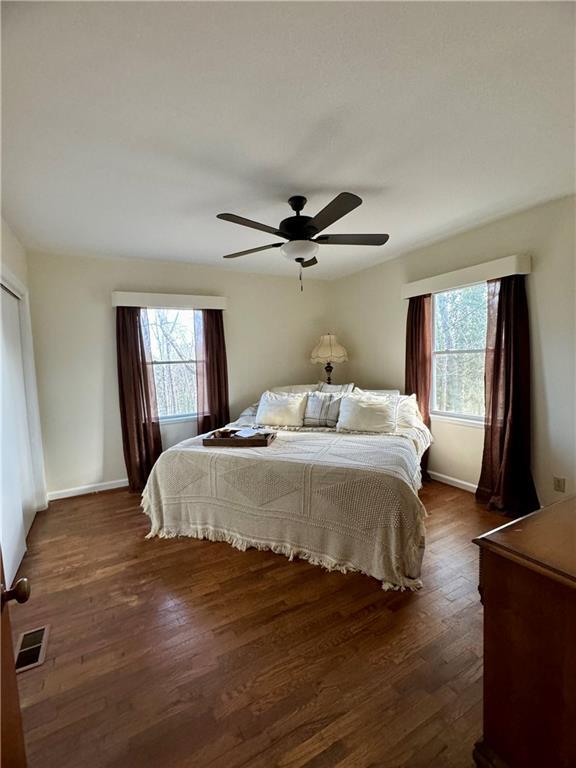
[{"x": 128, "y": 126}]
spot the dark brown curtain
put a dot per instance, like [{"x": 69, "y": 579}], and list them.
[
  {"x": 506, "y": 479},
  {"x": 418, "y": 376},
  {"x": 138, "y": 413},
  {"x": 211, "y": 370}
]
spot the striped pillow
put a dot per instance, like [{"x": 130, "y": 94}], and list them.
[{"x": 322, "y": 409}]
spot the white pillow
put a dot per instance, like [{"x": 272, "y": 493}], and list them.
[
  {"x": 281, "y": 409},
  {"x": 408, "y": 412},
  {"x": 295, "y": 389},
  {"x": 248, "y": 416},
  {"x": 376, "y": 392},
  {"x": 344, "y": 388},
  {"x": 367, "y": 414}
]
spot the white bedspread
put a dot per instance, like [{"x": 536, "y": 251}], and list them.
[{"x": 344, "y": 501}]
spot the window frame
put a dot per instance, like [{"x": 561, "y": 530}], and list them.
[
  {"x": 452, "y": 416},
  {"x": 180, "y": 416}
]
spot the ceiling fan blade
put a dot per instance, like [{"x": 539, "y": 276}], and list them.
[
  {"x": 252, "y": 250},
  {"x": 248, "y": 223},
  {"x": 340, "y": 206},
  {"x": 352, "y": 239},
  {"x": 310, "y": 262}
]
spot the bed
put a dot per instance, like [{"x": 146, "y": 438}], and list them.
[{"x": 347, "y": 502}]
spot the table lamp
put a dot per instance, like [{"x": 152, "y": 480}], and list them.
[{"x": 328, "y": 351}]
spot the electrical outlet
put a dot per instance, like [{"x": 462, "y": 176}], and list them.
[{"x": 560, "y": 484}]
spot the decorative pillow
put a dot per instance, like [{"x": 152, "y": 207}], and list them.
[
  {"x": 367, "y": 414},
  {"x": 322, "y": 409},
  {"x": 281, "y": 409},
  {"x": 295, "y": 389},
  {"x": 345, "y": 389}
]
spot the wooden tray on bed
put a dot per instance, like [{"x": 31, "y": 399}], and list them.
[{"x": 224, "y": 438}]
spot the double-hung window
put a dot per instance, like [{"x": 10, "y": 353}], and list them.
[
  {"x": 458, "y": 352},
  {"x": 171, "y": 336}
]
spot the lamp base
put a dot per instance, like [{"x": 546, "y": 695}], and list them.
[{"x": 328, "y": 368}]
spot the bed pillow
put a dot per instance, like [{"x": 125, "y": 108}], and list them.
[
  {"x": 248, "y": 416},
  {"x": 295, "y": 389},
  {"x": 408, "y": 412},
  {"x": 281, "y": 409},
  {"x": 343, "y": 388},
  {"x": 322, "y": 409},
  {"x": 367, "y": 414},
  {"x": 376, "y": 392}
]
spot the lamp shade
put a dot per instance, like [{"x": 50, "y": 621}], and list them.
[{"x": 328, "y": 350}]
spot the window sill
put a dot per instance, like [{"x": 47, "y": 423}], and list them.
[
  {"x": 461, "y": 421},
  {"x": 164, "y": 420}
]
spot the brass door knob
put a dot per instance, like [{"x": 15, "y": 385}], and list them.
[{"x": 19, "y": 592}]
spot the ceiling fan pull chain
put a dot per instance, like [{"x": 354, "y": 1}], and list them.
[{"x": 301, "y": 283}]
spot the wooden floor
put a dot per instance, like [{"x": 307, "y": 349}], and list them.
[{"x": 173, "y": 653}]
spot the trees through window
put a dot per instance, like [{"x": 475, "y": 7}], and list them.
[
  {"x": 170, "y": 335},
  {"x": 459, "y": 344}
]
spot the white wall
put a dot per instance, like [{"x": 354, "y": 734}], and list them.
[
  {"x": 13, "y": 255},
  {"x": 270, "y": 330},
  {"x": 369, "y": 314},
  {"x": 456, "y": 456}
]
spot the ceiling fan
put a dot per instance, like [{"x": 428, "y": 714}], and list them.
[{"x": 303, "y": 232}]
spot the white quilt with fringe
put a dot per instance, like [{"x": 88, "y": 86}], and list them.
[{"x": 347, "y": 502}]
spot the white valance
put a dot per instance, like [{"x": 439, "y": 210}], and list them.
[
  {"x": 167, "y": 300},
  {"x": 479, "y": 273}
]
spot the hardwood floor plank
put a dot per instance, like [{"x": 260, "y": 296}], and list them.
[{"x": 180, "y": 653}]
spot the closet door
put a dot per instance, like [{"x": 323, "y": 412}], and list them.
[{"x": 14, "y": 454}]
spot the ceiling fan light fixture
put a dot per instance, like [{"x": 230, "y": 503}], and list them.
[{"x": 299, "y": 250}]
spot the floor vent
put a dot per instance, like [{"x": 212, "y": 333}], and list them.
[{"x": 30, "y": 650}]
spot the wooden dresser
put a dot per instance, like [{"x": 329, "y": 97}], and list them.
[{"x": 528, "y": 589}]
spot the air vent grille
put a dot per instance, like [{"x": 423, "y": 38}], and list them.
[{"x": 30, "y": 649}]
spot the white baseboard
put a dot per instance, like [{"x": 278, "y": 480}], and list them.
[
  {"x": 453, "y": 481},
  {"x": 83, "y": 489}
]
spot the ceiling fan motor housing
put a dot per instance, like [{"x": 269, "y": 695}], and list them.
[{"x": 298, "y": 227}]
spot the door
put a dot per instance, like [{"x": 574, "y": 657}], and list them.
[
  {"x": 12, "y": 750},
  {"x": 13, "y": 463}
]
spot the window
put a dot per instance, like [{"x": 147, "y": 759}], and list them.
[
  {"x": 170, "y": 335},
  {"x": 458, "y": 350}
]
